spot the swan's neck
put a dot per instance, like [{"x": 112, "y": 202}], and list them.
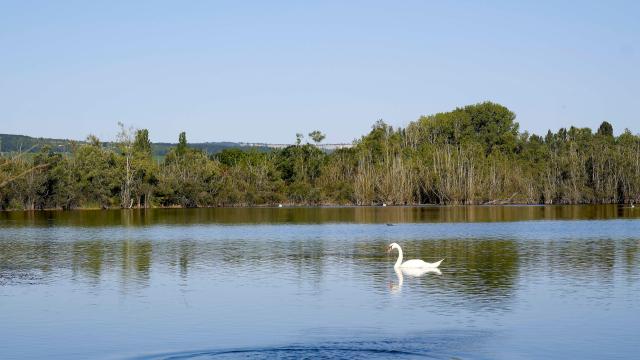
[{"x": 399, "y": 261}]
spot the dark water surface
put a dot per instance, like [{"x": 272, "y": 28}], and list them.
[{"x": 518, "y": 282}]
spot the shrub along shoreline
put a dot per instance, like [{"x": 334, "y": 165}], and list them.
[{"x": 471, "y": 155}]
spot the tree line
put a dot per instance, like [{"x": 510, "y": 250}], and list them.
[{"x": 471, "y": 155}]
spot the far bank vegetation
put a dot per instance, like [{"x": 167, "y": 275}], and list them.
[{"x": 471, "y": 155}]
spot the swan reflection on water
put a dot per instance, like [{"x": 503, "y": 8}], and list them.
[{"x": 410, "y": 272}]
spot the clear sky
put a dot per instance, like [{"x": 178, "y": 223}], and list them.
[{"x": 264, "y": 70}]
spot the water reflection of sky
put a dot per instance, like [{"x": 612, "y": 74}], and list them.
[{"x": 507, "y": 289}]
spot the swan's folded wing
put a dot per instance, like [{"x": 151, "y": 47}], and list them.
[{"x": 415, "y": 263}]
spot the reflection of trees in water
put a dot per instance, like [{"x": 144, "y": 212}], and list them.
[
  {"x": 631, "y": 258},
  {"x": 582, "y": 258},
  {"x": 93, "y": 258},
  {"x": 135, "y": 262},
  {"x": 482, "y": 269},
  {"x": 485, "y": 271},
  {"x": 590, "y": 260},
  {"x": 87, "y": 258},
  {"x": 145, "y": 217},
  {"x": 303, "y": 260},
  {"x": 488, "y": 272},
  {"x": 179, "y": 255},
  {"x": 308, "y": 260},
  {"x": 186, "y": 255},
  {"x": 24, "y": 262},
  {"x": 45, "y": 253}
]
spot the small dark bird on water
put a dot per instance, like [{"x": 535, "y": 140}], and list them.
[{"x": 390, "y": 225}]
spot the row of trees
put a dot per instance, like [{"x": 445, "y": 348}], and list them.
[{"x": 472, "y": 155}]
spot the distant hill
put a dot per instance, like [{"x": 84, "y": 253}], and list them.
[
  {"x": 15, "y": 143},
  {"x": 161, "y": 149}
]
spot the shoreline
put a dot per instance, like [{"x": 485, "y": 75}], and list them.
[{"x": 302, "y": 206}]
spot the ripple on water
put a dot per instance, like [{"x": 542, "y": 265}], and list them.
[
  {"x": 451, "y": 345},
  {"x": 15, "y": 277}
]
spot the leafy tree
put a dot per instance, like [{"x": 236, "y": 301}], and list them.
[
  {"x": 95, "y": 176},
  {"x": 181, "y": 149},
  {"x": 470, "y": 155},
  {"x": 142, "y": 144},
  {"x": 317, "y": 136},
  {"x": 605, "y": 129},
  {"x": 125, "y": 146}
]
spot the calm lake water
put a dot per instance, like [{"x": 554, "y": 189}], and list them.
[{"x": 518, "y": 282}]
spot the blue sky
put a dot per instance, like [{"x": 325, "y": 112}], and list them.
[{"x": 264, "y": 70}]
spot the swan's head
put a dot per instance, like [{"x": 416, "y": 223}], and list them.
[{"x": 392, "y": 246}]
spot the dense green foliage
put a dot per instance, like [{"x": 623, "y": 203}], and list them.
[{"x": 472, "y": 155}]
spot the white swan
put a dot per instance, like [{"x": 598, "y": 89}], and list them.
[{"x": 411, "y": 263}]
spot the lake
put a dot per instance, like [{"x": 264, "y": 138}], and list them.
[{"x": 517, "y": 282}]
